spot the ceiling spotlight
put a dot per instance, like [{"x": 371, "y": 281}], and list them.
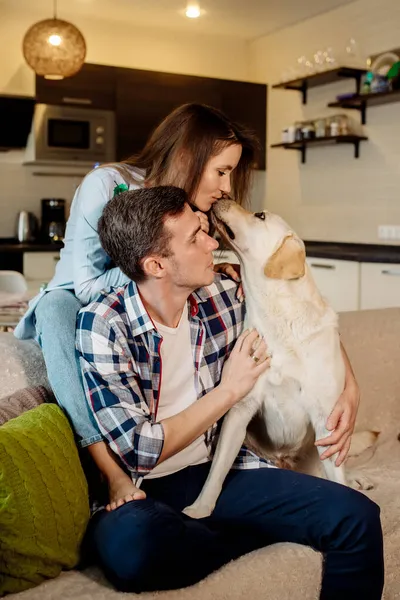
[{"x": 192, "y": 10}]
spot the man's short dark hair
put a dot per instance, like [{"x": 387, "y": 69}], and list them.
[{"x": 132, "y": 226}]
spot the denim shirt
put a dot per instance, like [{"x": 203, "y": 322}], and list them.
[{"x": 84, "y": 267}]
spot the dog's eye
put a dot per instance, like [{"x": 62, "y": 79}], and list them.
[{"x": 260, "y": 215}]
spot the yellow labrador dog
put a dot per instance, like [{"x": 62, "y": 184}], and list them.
[{"x": 291, "y": 402}]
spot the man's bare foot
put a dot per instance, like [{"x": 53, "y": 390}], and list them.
[{"x": 122, "y": 490}]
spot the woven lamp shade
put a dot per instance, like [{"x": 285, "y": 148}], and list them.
[{"x": 54, "y": 48}]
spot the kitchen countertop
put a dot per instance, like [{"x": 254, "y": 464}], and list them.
[
  {"x": 378, "y": 253},
  {"x": 12, "y": 245}
]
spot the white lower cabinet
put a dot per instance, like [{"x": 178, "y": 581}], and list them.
[
  {"x": 346, "y": 284},
  {"x": 338, "y": 281},
  {"x": 380, "y": 285},
  {"x": 39, "y": 268}
]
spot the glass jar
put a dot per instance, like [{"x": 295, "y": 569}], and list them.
[
  {"x": 298, "y": 135},
  {"x": 340, "y": 125},
  {"x": 291, "y": 134},
  {"x": 344, "y": 125},
  {"x": 334, "y": 127},
  {"x": 320, "y": 128},
  {"x": 328, "y": 126},
  {"x": 308, "y": 131}
]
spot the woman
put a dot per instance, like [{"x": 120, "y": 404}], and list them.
[{"x": 199, "y": 149}]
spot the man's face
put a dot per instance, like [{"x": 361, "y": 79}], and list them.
[{"x": 190, "y": 264}]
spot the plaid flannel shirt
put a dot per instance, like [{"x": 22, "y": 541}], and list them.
[{"x": 119, "y": 350}]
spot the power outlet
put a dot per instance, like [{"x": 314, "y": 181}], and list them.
[{"x": 389, "y": 232}]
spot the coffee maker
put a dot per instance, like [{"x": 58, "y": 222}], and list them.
[{"x": 53, "y": 220}]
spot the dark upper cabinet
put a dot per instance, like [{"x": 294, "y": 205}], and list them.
[
  {"x": 16, "y": 114},
  {"x": 141, "y": 99},
  {"x": 144, "y": 98},
  {"x": 246, "y": 103},
  {"x": 93, "y": 86}
]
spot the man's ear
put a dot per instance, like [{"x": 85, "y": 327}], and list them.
[
  {"x": 153, "y": 267},
  {"x": 288, "y": 261}
]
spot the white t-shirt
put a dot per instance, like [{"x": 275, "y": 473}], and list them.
[{"x": 178, "y": 392}]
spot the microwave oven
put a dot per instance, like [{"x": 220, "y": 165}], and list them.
[{"x": 71, "y": 135}]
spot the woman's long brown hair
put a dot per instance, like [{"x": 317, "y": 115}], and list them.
[{"x": 180, "y": 147}]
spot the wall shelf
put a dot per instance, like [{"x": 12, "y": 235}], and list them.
[
  {"x": 302, "y": 145},
  {"x": 361, "y": 101},
  {"x": 303, "y": 84}
]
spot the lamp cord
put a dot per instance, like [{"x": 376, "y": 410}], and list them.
[{"x": 55, "y": 9}]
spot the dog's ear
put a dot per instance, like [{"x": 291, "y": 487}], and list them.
[{"x": 288, "y": 261}]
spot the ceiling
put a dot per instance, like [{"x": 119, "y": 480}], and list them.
[{"x": 247, "y": 19}]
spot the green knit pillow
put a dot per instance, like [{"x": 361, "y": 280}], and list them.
[{"x": 44, "y": 507}]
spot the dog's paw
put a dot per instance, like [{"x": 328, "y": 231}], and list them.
[
  {"x": 360, "y": 482},
  {"x": 198, "y": 510}
]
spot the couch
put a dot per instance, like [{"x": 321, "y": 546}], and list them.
[{"x": 282, "y": 571}]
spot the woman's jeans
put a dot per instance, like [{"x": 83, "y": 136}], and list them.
[
  {"x": 56, "y": 316},
  {"x": 150, "y": 545}
]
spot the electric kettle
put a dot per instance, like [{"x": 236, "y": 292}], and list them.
[{"x": 27, "y": 226}]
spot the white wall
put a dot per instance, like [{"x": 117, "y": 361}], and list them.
[
  {"x": 121, "y": 45},
  {"x": 333, "y": 196},
  {"x": 21, "y": 190}
]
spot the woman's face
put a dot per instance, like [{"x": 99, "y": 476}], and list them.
[{"x": 216, "y": 179}]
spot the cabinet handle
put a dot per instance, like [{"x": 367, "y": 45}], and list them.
[
  {"x": 388, "y": 272},
  {"x": 321, "y": 266},
  {"x": 69, "y": 100}
]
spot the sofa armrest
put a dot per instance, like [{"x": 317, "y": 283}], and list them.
[{"x": 372, "y": 341}]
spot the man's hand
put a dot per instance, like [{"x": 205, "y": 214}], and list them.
[
  {"x": 341, "y": 422},
  {"x": 247, "y": 361}
]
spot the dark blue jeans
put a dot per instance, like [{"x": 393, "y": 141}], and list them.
[{"x": 150, "y": 545}]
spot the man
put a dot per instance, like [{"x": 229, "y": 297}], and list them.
[{"x": 154, "y": 356}]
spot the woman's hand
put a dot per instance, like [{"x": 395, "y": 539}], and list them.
[
  {"x": 204, "y": 224},
  {"x": 232, "y": 271},
  {"x": 342, "y": 419}
]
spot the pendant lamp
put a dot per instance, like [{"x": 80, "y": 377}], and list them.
[{"x": 54, "y": 48}]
